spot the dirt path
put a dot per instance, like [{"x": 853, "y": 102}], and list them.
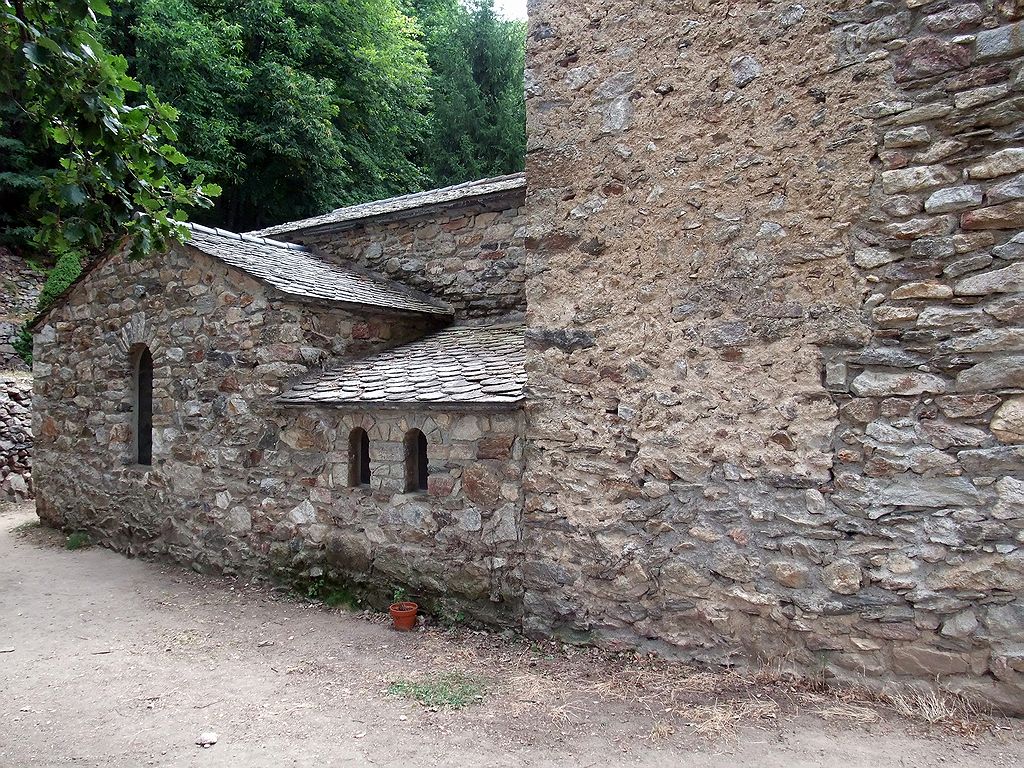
[{"x": 117, "y": 662}]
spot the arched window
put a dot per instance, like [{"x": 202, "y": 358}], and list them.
[
  {"x": 358, "y": 458},
  {"x": 416, "y": 466},
  {"x": 144, "y": 407}
]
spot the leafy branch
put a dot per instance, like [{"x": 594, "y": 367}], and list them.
[{"x": 114, "y": 179}]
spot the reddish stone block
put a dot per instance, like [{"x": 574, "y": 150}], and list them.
[
  {"x": 440, "y": 485},
  {"x": 928, "y": 57},
  {"x": 495, "y": 447}
]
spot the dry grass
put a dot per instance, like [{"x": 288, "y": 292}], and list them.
[
  {"x": 849, "y": 712},
  {"x": 717, "y": 718},
  {"x": 567, "y": 684},
  {"x": 952, "y": 713}
]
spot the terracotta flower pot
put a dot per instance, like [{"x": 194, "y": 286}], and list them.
[{"x": 404, "y": 616}]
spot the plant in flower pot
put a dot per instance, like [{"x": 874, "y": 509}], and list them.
[{"x": 403, "y": 612}]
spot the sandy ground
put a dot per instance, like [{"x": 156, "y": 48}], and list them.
[{"x": 106, "y": 661}]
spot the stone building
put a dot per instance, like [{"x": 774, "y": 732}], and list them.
[
  {"x": 244, "y": 404},
  {"x": 774, "y": 356},
  {"x": 774, "y": 349}
]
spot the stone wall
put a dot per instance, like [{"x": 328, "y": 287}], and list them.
[
  {"x": 774, "y": 366},
  {"x": 19, "y": 293},
  {"x": 470, "y": 254},
  {"x": 15, "y": 437},
  {"x": 240, "y": 484}
]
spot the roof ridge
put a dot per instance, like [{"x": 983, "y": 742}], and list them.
[
  {"x": 369, "y": 209},
  {"x": 245, "y": 237},
  {"x": 437, "y": 190}
]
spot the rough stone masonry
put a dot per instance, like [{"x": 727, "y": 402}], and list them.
[
  {"x": 15, "y": 436},
  {"x": 19, "y": 292},
  {"x": 776, "y": 334}
]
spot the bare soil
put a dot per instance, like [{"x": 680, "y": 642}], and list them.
[{"x": 106, "y": 661}]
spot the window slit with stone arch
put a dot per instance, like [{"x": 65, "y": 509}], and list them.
[
  {"x": 417, "y": 467},
  {"x": 358, "y": 458},
  {"x": 142, "y": 407}
]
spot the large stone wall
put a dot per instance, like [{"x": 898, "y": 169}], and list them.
[
  {"x": 15, "y": 437},
  {"x": 470, "y": 254},
  {"x": 240, "y": 484},
  {"x": 775, "y": 373},
  {"x": 19, "y": 293}
]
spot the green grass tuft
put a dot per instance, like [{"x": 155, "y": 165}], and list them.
[
  {"x": 446, "y": 690},
  {"x": 77, "y": 540},
  {"x": 28, "y": 525}
]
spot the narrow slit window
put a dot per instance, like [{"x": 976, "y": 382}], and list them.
[
  {"x": 144, "y": 408},
  {"x": 417, "y": 468},
  {"x": 358, "y": 458}
]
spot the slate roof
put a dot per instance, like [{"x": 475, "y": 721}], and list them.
[
  {"x": 294, "y": 270},
  {"x": 444, "y": 196},
  {"x": 458, "y": 366}
]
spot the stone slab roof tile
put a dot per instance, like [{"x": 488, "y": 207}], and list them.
[
  {"x": 444, "y": 196},
  {"x": 456, "y": 366},
  {"x": 294, "y": 270}
]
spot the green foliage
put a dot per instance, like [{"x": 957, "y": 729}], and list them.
[
  {"x": 478, "y": 112},
  {"x": 452, "y": 618},
  {"x": 446, "y": 690},
  {"x": 87, "y": 155},
  {"x": 77, "y": 540},
  {"x": 332, "y": 593},
  {"x": 296, "y": 107},
  {"x": 293, "y": 106},
  {"x": 107, "y": 143},
  {"x": 21, "y": 174},
  {"x": 59, "y": 279},
  {"x": 22, "y": 343},
  {"x": 399, "y": 595}
]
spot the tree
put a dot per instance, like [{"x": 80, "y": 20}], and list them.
[
  {"x": 21, "y": 175},
  {"x": 478, "y": 111},
  {"x": 113, "y": 177},
  {"x": 293, "y": 106}
]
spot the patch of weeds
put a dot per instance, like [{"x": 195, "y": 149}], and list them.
[
  {"x": 948, "y": 710},
  {"x": 332, "y": 594},
  {"x": 78, "y": 540},
  {"x": 445, "y": 690},
  {"x": 27, "y": 527},
  {"x": 450, "y": 614},
  {"x": 456, "y": 619}
]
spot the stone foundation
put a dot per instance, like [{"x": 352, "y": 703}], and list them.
[{"x": 15, "y": 437}]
